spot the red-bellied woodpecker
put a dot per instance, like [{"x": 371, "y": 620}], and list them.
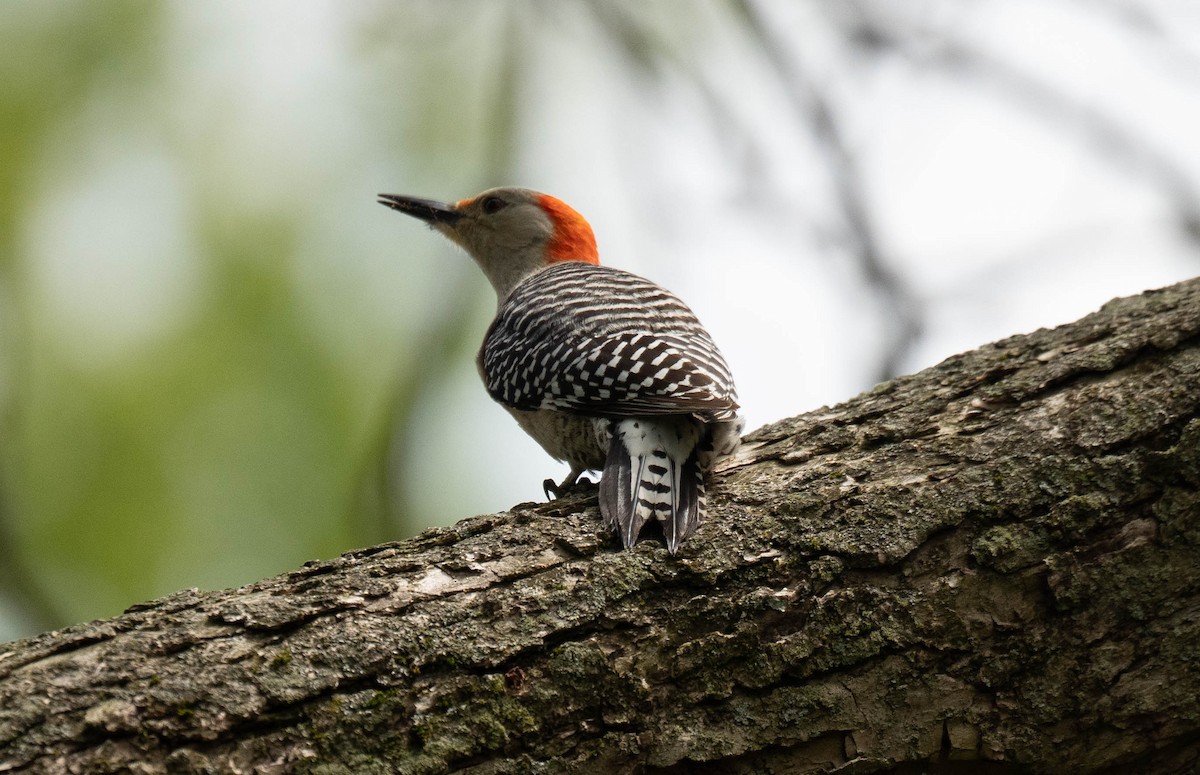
[{"x": 605, "y": 369}]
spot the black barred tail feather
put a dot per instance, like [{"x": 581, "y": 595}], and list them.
[{"x": 653, "y": 471}]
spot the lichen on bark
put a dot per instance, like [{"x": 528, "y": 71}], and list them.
[{"x": 992, "y": 561}]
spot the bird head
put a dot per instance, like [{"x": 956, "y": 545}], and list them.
[{"x": 511, "y": 233}]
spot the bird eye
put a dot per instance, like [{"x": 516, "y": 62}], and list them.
[{"x": 493, "y": 204}]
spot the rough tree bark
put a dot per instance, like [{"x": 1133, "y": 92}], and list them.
[{"x": 990, "y": 566}]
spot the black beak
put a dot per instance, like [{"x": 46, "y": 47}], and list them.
[{"x": 425, "y": 209}]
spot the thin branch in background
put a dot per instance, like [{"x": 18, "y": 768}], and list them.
[
  {"x": 1132, "y": 15},
  {"x": 901, "y": 310},
  {"x": 649, "y": 54},
  {"x": 1111, "y": 142},
  {"x": 652, "y": 57},
  {"x": 452, "y": 327},
  {"x": 1141, "y": 21}
]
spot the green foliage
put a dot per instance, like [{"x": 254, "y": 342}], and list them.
[{"x": 203, "y": 363}]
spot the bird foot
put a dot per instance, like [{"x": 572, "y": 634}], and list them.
[{"x": 573, "y": 483}]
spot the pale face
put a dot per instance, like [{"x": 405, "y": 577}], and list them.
[
  {"x": 510, "y": 232},
  {"x": 506, "y": 231},
  {"x": 502, "y": 221}
]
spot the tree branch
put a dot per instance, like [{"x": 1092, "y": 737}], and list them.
[{"x": 993, "y": 560}]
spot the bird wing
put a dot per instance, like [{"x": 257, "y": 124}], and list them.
[{"x": 596, "y": 340}]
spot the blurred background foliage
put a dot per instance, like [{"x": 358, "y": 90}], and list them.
[{"x": 220, "y": 358}]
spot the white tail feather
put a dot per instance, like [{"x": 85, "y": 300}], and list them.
[{"x": 653, "y": 472}]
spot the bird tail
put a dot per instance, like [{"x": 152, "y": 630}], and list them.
[{"x": 653, "y": 471}]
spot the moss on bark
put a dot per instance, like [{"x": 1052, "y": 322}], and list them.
[{"x": 995, "y": 562}]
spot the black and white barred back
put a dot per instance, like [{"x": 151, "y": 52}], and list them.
[{"x": 601, "y": 342}]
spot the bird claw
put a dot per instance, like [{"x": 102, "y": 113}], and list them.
[{"x": 574, "y": 482}]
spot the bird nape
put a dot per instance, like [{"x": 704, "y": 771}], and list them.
[{"x": 604, "y": 369}]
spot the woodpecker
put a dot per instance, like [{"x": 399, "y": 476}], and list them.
[{"x": 604, "y": 369}]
